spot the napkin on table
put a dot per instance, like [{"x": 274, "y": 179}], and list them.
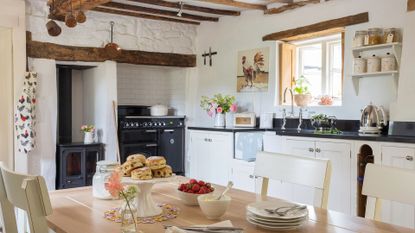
[{"x": 174, "y": 229}]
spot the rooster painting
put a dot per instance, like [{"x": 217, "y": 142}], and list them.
[{"x": 252, "y": 73}]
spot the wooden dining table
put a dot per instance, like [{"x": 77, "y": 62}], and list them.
[{"x": 77, "y": 211}]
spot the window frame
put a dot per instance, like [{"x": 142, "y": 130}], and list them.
[{"x": 326, "y": 62}]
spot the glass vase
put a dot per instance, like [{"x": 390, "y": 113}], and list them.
[
  {"x": 219, "y": 120},
  {"x": 128, "y": 213}
]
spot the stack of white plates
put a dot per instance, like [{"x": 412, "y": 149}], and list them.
[{"x": 257, "y": 215}]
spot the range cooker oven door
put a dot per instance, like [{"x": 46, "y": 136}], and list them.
[
  {"x": 147, "y": 149},
  {"x": 134, "y": 136},
  {"x": 171, "y": 146}
]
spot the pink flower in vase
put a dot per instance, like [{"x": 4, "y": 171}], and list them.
[
  {"x": 233, "y": 108},
  {"x": 219, "y": 110},
  {"x": 211, "y": 112}
]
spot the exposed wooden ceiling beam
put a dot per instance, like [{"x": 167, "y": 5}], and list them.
[
  {"x": 140, "y": 15},
  {"x": 237, "y": 4},
  {"x": 62, "y": 7},
  {"x": 188, "y": 7},
  {"x": 411, "y": 5},
  {"x": 280, "y": 1},
  {"x": 146, "y": 10},
  {"x": 322, "y": 26},
  {"x": 37, "y": 49},
  {"x": 290, "y": 6}
]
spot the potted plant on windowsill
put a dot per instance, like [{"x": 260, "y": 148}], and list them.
[{"x": 302, "y": 96}]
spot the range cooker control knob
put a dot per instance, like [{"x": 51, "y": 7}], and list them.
[
  {"x": 126, "y": 125},
  {"x": 145, "y": 124},
  {"x": 137, "y": 124},
  {"x": 150, "y": 124},
  {"x": 163, "y": 124}
]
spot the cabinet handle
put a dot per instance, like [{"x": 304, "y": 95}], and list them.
[
  {"x": 311, "y": 149},
  {"x": 253, "y": 176},
  {"x": 151, "y": 145},
  {"x": 208, "y": 140},
  {"x": 69, "y": 181},
  {"x": 409, "y": 158},
  {"x": 318, "y": 150}
]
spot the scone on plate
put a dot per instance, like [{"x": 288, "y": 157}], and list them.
[
  {"x": 163, "y": 172},
  {"x": 143, "y": 173},
  {"x": 156, "y": 162},
  {"x": 128, "y": 166},
  {"x": 140, "y": 157}
]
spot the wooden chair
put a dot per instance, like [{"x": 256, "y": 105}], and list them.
[
  {"x": 25, "y": 192},
  {"x": 314, "y": 173},
  {"x": 387, "y": 183}
]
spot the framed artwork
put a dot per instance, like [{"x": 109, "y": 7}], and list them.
[{"x": 253, "y": 70}]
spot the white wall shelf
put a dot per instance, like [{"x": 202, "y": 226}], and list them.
[
  {"x": 356, "y": 78},
  {"x": 394, "y": 48}
]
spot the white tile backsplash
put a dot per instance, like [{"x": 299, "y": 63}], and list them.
[{"x": 148, "y": 85}]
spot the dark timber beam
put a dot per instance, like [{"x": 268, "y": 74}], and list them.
[
  {"x": 322, "y": 26},
  {"x": 146, "y": 10},
  {"x": 188, "y": 7},
  {"x": 36, "y": 49}
]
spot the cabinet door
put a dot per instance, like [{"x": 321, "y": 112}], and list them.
[
  {"x": 242, "y": 175},
  {"x": 394, "y": 212},
  {"x": 339, "y": 155},
  {"x": 73, "y": 168},
  {"x": 198, "y": 152},
  {"x": 300, "y": 147},
  {"x": 219, "y": 157}
]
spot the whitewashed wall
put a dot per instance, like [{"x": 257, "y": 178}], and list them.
[
  {"x": 233, "y": 34},
  {"x": 150, "y": 85},
  {"x": 131, "y": 33}
]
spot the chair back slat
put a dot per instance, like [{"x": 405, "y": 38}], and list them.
[
  {"x": 311, "y": 172},
  {"x": 388, "y": 183},
  {"x": 25, "y": 192}
]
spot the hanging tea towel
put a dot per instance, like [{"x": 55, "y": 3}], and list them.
[{"x": 25, "y": 117}]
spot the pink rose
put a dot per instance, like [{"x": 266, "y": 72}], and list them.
[
  {"x": 219, "y": 110},
  {"x": 233, "y": 108}
]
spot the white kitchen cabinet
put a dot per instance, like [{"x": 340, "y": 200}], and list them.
[
  {"x": 273, "y": 143},
  {"x": 394, "y": 212},
  {"x": 339, "y": 154},
  {"x": 210, "y": 156},
  {"x": 242, "y": 175}
]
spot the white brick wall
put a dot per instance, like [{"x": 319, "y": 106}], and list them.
[
  {"x": 130, "y": 32},
  {"x": 148, "y": 85}
]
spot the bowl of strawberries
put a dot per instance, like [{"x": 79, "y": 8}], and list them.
[{"x": 188, "y": 192}]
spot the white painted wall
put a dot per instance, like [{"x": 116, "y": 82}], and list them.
[
  {"x": 77, "y": 105},
  {"x": 99, "y": 93},
  {"x": 233, "y": 34},
  {"x": 130, "y": 32},
  {"x": 42, "y": 159},
  {"x": 150, "y": 85},
  {"x": 6, "y": 97},
  {"x": 404, "y": 110}
]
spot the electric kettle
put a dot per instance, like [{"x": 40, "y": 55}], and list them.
[{"x": 373, "y": 119}]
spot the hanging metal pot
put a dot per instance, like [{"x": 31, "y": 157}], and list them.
[
  {"x": 53, "y": 28},
  {"x": 112, "y": 48},
  {"x": 70, "y": 19},
  {"x": 80, "y": 16}
]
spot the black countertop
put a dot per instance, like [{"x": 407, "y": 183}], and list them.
[
  {"x": 229, "y": 130},
  {"x": 345, "y": 135}
]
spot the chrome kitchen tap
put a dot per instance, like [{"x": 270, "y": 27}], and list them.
[
  {"x": 284, "y": 118},
  {"x": 292, "y": 100},
  {"x": 300, "y": 119}
]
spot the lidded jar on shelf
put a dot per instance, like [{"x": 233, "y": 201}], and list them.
[
  {"x": 373, "y": 64},
  {"x": 360, "y": 65},
  {"x": 375, "y": 36},
  {"x": 359, "y": 38},
  {"x": 388, "y": 63}
]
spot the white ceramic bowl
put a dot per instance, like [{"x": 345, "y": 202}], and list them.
[
  {"x": 188, "y": 198},
  {"x": 211, "y": 208}
]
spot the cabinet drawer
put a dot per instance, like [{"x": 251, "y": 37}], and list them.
[{"x": 401, "y": 157}]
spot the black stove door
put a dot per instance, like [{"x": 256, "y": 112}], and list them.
[
  {"x": 171, "y": 146},
  {"x": 147, "y": 149}
]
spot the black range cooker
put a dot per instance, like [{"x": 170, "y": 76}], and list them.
[{"x": 138, "y": 132}]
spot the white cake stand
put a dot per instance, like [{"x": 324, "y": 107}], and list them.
[{"x": 146, "y": 207}]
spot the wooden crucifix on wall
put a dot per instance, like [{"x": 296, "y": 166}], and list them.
[
  {"x": 411, "y": 5},
  {"x": 210, "y": 55}
]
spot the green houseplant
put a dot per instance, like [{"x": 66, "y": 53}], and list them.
[{"x": 302, "y": 96}]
